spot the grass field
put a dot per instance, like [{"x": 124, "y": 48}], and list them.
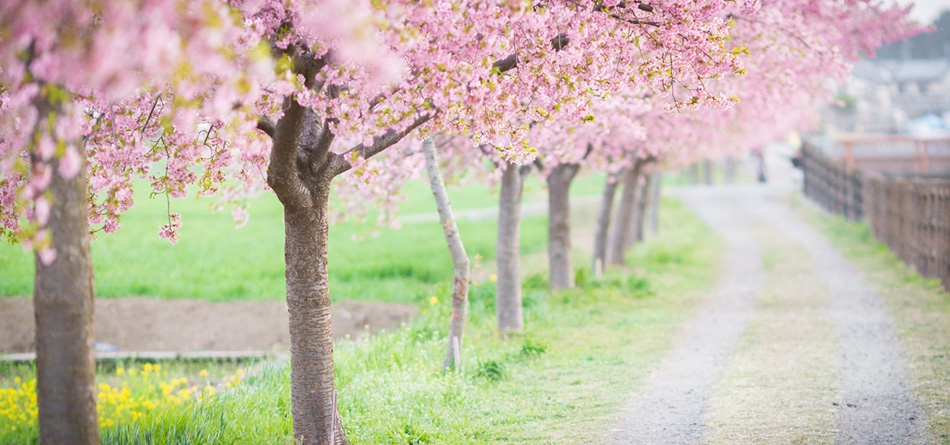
[
  {"x": 563, "y": 380},
  {"x": 921, "y": 308},
  {"x": 214, "y": 261}
]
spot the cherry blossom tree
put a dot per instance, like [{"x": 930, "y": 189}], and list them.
[{"x": 59, "y": 70}]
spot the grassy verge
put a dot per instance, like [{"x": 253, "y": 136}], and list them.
[
  {"x": 921, "y": 308},
  {"x": 780, "y": 382},
  {"x": 563, "y": 380}
]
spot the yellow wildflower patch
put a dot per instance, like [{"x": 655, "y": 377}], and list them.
[{"x": 143, "y": 390}]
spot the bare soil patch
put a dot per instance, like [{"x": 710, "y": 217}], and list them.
[{"x": 150, "y": 324}]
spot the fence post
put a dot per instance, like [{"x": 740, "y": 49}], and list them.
[
  {"x": 858, "y": 183},
  {"x": 933, "y": 237},
  {"x": 942, "y": 219},
  {"x": 907, "y": 210},
  {"x": 806, "y": 170},
  {"x": 917, "y": 232}
]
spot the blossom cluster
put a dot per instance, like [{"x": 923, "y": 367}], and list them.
[{"x": 182, "y": 107}]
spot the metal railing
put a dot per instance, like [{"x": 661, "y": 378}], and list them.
[{"x": 885, "y": 153}]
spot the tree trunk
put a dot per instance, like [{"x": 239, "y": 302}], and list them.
[
  {"x": 303, "y": 190},
  {"x": 616, "y": 250},
  {"x": 63, "y": 307},
  {"x": 302, "y": 167},
  {"x": 730, "y": 170},
  {"x": 655, "y": 181},
  {"x": 453, "y": 352},
  {"x": 708, "y": 172},
  {"x": 632, "y": 235},
  {"x": 642, "y": 200},
  {"x": 312, "y": 392},
  {"x": 507, "y": 250},
  {"x": 559, "y": 225},
  {"x": 603, "y": 221}
]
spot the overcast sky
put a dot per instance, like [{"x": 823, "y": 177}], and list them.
[{"x": 925, "y": 11}]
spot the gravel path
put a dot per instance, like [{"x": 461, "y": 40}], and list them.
[
  {"x": 672, "y": 407},
  {"x": 874, "y": 406}
]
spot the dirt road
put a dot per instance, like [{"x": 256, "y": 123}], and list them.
[{"x": 725, "y": 383}]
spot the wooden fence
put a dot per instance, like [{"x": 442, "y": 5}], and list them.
[{"x": 911, "y": 215}]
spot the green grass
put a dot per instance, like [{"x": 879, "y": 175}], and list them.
[
  {"x": 127, "y": 392},
  {"x": 563, "y": 380},
  {"x": 214, "y": 261},
  {"x": 921, "y": 309}
]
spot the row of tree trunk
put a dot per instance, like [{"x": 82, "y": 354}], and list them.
[
  {"x": 63, "y": 294},
  {"x": 638, "y": 209},
  {"x": 702, "y": 172}
]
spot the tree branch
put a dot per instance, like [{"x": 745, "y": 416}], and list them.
[
  {"x": 507, "y": 64},
  {"x": 282, "y": 170},
  {"x": 537, "y": 163},
  {"x": 326, "y": 138},
  {"x": 590, "y": 149},
  {"x": 266, "y": 125},
  {"x": 340, "y": 162}
]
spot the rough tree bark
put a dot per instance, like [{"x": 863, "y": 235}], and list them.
[
  {"x": 63, "y": 307},
  {"x": 616, "y": 249},
  {"x": 655, "y": 180},
  {"x": 603, "y": 221},
  {"x": 304, "y": 196},
  {"x": 559, "y": 225},
  {"x": 459, "y": 259},
  {"x": 300, "y": 172},
  {"x": 308, "y": 302},
  {"x": 507, "y": 250}
]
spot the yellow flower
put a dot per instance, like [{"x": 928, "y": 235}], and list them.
[
  {"x": 433, "y": 300},
  {"x": 119, "y": 371},
  {"x": 493, "y": 278},
  {"x": 203, "y": 373}
]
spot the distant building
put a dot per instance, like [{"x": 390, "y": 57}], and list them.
[{"x": 881, "y": 96}]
